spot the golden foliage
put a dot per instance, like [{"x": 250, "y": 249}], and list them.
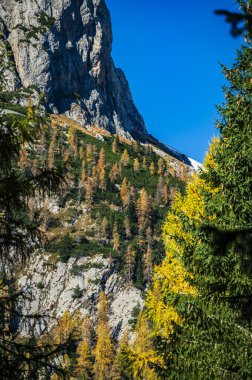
[
  {"x": 143, "y": 353},
  {"x": 136, "y": 165},
  {"x": 104, "y": 351},
  {"x": 170, "y": 277},
  {"x": 125, "y": 160}
]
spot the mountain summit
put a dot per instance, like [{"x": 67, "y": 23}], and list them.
[{"x": 72, "y": 64}]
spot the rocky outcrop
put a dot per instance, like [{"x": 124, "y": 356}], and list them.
[
  {"x": 54, "y": 288},
  {"x": 72, "y": 63}
]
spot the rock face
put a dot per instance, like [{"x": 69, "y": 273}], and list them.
[
  {"x": 53, "y": 291},
  {"x": 72, "y": 63}
]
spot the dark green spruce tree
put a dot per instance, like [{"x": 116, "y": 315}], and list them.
[{"x": 214, "y": 337}]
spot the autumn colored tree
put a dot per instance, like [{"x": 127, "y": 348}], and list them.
[
  {"x": 89, "y": 153},
  {"x": 115, "y": 145},
  {"x": 125, "y": 192},
  {"x": 81, "y": 153},
  {"x": 101, "y": 161},
  {"x": 113, "y": 174},
  {"x": 102, "y": 179},
  {"x": 144, "y": 163},
  {"x": 84, "y": 367},
  {"x": 152, "y": 168},
  {"x": 125, "y": 159},
  {"x": 143, "y": 210},
  {"x": 136, "y": 165},
  {"x": 130, "y": 263},
  {"x": 116, "y": 238},
  {"x": 144, "y": 357},
  {"x": 104, "y": 350},
  {"x": 68, "y": 324}
]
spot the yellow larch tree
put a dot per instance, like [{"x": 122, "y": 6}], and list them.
[
  {"x": 144, "y": 163},
  {"x": 84, "y": 367},
  {"x": 104, "y": 350},
  {"x": 81, "y": 152},
  {"x": 114, "y": 145},
  {"x": 113, "y": 174},
  {"x": 102, "y": 179},
  {"x": 136, "y": 165},
  {"x": 68, "y": 324},
  {"x": 72, "y": 140},
  {"x": 145, "y": 359},
  {"x": 130, "y": 263},
  {"x": 68, "y": 327},
  {"x": 125, "y": 159},
  {"x": 89, "y": 153},
  {"x": 125, "y": 192},
  {"x": 143, "y": 210},
  {"x": 101, "y": 161},
  {"x": 115, "y": 238},
  {"x": 152, "y": 168},
  {"x": 171, "y": 277}
]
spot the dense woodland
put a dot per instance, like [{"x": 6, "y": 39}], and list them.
[{"x": 196, "y": 322}]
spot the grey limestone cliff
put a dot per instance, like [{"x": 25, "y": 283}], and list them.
[{"x": 72, "y": 64}]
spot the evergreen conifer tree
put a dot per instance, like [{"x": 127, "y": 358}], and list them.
[{"x": 200, "y": 303}]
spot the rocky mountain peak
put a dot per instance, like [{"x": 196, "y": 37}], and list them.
[{"x": 72, "y": 64}]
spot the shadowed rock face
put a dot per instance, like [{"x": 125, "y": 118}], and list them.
[{"x": 72, "y": 63}]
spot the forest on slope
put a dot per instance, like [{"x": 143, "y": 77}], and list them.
[
  {"x": 111, "y": 195},
  {"x": 196, "y": 322}
]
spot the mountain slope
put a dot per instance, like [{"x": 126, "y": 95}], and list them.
[{"x": 103, "y": 228}]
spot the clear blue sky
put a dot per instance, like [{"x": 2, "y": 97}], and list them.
[{"x": 171, "y": 52}]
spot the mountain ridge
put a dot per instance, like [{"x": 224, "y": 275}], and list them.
[{"x": 72, "y": 66}]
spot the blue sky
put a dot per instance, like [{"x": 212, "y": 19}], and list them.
[{"x": 171, "y": 52}]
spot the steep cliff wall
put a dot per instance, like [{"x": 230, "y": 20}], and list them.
[{"x": 72, "y": 63}]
